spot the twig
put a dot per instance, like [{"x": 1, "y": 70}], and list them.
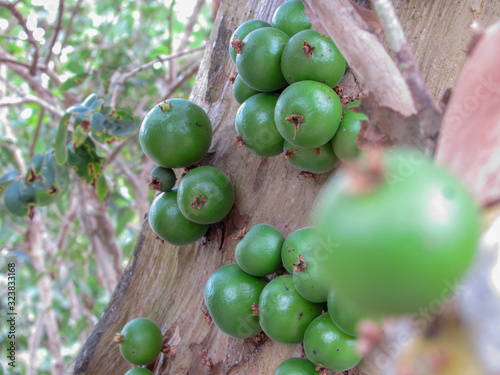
[
  {"x": 37, "y": 132},
  {"x": 116, "y": 150},
  {"x": 139, "y": 69},
  {"x": 69, "y": 28},
  {"x": 57, "y": 30},
  {"x": 171, "y": 71},
  {"x": 17, "y": 14},
  {"x": 28, "y": 98},
  {"x": 188, "y": 29},
  {"x": 180, "y": 81},
  {"x": 12, "y": 61}
]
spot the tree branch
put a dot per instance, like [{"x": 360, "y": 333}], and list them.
[
  {"x": 180, "y": 81},
  {"x": 131, "y": 73},
  {"x": 28, "y": 98},
  {"x": 188, "y": 29},
  {"x": 69, "y": 28},
  {"x": 17, "y": 14},
  {"x": 56, "y": 32}
]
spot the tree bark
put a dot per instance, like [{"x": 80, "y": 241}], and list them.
[{"x": 165, "y": 283}]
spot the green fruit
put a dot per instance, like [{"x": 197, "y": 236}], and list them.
[
  {"x": 241, "y": 32},
  {"x": 205, "y": 195},
  {"x": 254, "y": 123},
  {"x": 283, "y": 313},
  {"x": 345, "y": 317},
  {"x": 241, "y": 91},
  {"x": 169, "y": 223},
  {"x": 162, "y": 179},
  {"x": 291, "y": 17},
  {"x": 140, "y": 341},
  {"x": 176, "y": 133},
  {"x": 344, "y": 141},
  {"x": 308, "y": 114},
  {"x": 296, "y": 366},
  {"x": 20, "y": 199},
  {"x": 259, "y": 252},
  {"x": 259, "y": 60},
  {"x": 295, "y": 242},
  {"x": 308, "y": 55},
  {"x": 402, "y": 238},
  {"x": 139, "y": 371},
  {"x": 310, "y": 274},
  {"x": 315, "y": 160},
  {"x": 231, "y": 296},
  {"x": 326, "y": 345}
]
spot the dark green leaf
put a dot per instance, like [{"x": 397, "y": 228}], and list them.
[
  {"x": 7, "y": 179},
  {"x": 74, "y": 81}
]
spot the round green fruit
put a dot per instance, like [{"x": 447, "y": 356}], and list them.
[
  {"x": 291, "y": 17},
  {"x": 241, "y": 32},
  {"x": 308, "y": 114},
  {"x": 162, "y": 179},
  {"x": 241, "y": 91},
  {"x": 259, "y": 252},
  {"x": 345, "y": 317},
  {"x": 169, "y": 223},
  {"x": 140, "y": 341},
  {"x": 20, "y": 199},
  {"x": 327, "y": 346},
  {"x": 259, "y": 60},
  {"x": 254, "y": 123},
  {"x": 295, "y": 242},
  {"x": 310, "y": 275},
  {"x": 205, "y": 195},
  {"x": 308, "y": 55},
  {"x": 344, "y": 141},
  {"x": 296, "y": 366},
  {"x": 283, "y": 313},
  {"x": 402, "y": 238},
  {"x": 315, "y": 160},
  {"x": 231, "y": 297},
  {"x": 176, "y": 133},
  {"x": 139, "y": 371}
]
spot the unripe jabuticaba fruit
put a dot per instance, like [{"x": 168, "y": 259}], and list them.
[
  {"x": 327, "y": 346},
  {"x": 315, "y": 160},
  {"x": 140, "y": 341},
  {"x": 241, "y": 91},
  {"x": 308, "y": 114},
  {"x": 255, "y": 125},
  {"x": 162, "y": 179},
  {"x": 308, "y": 55},
  {"x": 283, "y": 313},
  {"x": 291, "y": 17},
  {"x": 259, "y": 60},
  {"x": 205, "y": 195},
  {"x": 231, "y": 296},
  {"x": 20, "y": 199},
  {"x": 169, "y": 223},
  {"x": 176, "y": 133},
  {"x": 344, "y": 141},
  {"x": 241, "y": 32},
  {"x": 402, "y": 230},
  {"x": 139, "y": 371},
  {"x": 296, "y": 366}
]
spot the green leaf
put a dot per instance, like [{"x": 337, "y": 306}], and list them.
[
  {"x": 7, "y": 179},
  {"x": 80, "y": 134},
  {"x": 62, "y": 139},
  {"x": 116, "y": 123},
  {"x": 73, "y": 81}
]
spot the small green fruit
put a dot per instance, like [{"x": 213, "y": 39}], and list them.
[
  {"x": 241, "y": 32},
  {"x": 344, "y": 141},
  {"x": 231, "y": 297},
  {"x": 241, "y": 91},
  {"x": 259, "y": 252},
  {"x": 314, "y": 160},
  {"x": 296, "y": 366},
  {"x": 291, "y": 17},
  {"x": 140, "y": 341},
  {"x": 162, "y": 179}
]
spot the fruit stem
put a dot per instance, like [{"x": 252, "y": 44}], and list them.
[
  {"x": 155, "y": 183},
  {"x": 242, "y": 234},
  {"x": 301, "y": 265},
  {"x": 199, "y": 202},
  {"x": 295, "y": 119},
  {"x": 365, "y": 174},
  {"x": 118, "y": 338},
  {"x": 165, "y": 106},
  {"x": 289, "y": 153},
  {"x": 308, "y": 49},
  {"x": 240, "y": 140},
  {"x": 255, "y": 309},
  {"x": 236, "y": 44}
]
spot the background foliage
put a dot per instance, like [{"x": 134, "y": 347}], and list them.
[{"x": 53, "y": 55}]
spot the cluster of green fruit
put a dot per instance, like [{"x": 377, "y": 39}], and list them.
[
  {"x": 286, "y": 75},
  {"x": 290, "y": 308},
  {"x": 44, "y": 183},
  {"x": 140, "y": 343},
  {"x": 174, "y": 134}
]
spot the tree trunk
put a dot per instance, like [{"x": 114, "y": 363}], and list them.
[{"x": 165, "y": 283}]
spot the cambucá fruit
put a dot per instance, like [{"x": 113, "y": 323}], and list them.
[
  {"x": 140, "y": 341},
  {"x": 403, "y": 231}
]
